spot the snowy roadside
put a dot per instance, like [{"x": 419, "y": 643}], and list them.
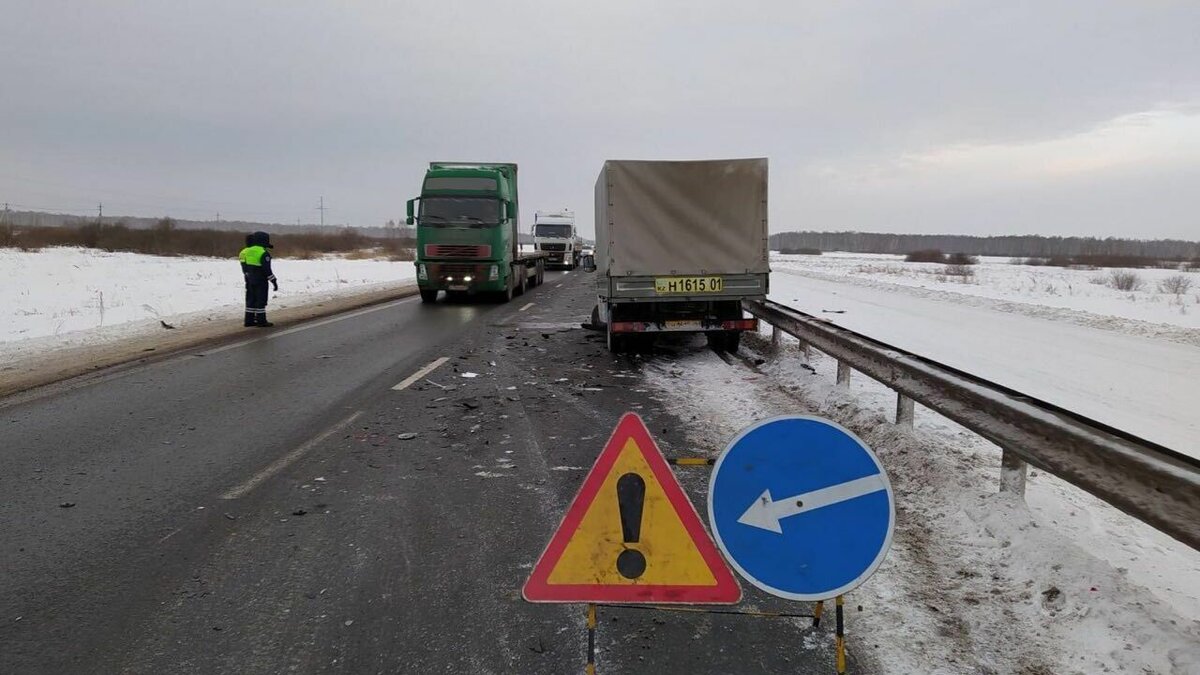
[
  {"x": 68, "y": 298},
  {"x": 1062, "y": 294},
  {"x": 976, "y": 581}
]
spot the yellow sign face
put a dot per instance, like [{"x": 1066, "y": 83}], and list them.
[
  {"x": 631, "y": 535},
  {"x": 591, "y": 553},
  {"x": 685, "y": 285}
]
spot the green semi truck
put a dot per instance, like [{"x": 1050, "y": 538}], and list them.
[{"x": 467, "y": 220}]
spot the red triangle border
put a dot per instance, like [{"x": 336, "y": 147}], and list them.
[{"x": 537, "y": 589}]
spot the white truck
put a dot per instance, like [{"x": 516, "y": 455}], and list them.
[
  {"x": 679, "y": 246},
  {"x": 554, "y": 233}
]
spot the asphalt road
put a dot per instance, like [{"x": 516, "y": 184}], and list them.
[{"x": 252, "y": 508}]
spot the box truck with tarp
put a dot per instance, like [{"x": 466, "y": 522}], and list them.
[{"x": 679, "y": 246}]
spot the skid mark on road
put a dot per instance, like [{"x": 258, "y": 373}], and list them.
[
  {"x": 421, "y": 373},
  {"x": 285, "y": 461}
]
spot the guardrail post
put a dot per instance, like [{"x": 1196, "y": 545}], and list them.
[
  {"x": 806, "y": 349},
  {"x": 904, "y": 411},
  {"x": 843, "y": 375},
  {"x": 1012, "y": 472},
  {"x": 776, "y": 338}
]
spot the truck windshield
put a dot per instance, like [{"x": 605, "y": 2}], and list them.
[
  {"x": 560, "y": 231},
  {"x": 477, "y": 211}
]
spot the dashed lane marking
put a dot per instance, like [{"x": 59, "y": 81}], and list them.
[
  {"x": 422, "y": 373},
  {"x": 285, "y": 461},
  {"x": 527, "y": 306}
]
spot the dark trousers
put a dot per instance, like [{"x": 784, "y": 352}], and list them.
[{"x": 256, "y": 303}]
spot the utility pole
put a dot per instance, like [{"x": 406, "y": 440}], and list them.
[
  {"x": 218, "y": 217},
  {"x": 321, "y": 208},
  {"x": 101, "y": 219}
]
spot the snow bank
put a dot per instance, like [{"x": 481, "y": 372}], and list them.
[
  {"x": 66, "y": 294},
  {"x": 976, "y": 581}
]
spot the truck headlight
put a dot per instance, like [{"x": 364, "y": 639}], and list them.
[
  {"x": 494, "y": 273},
  {"x": 421, "y": 273},
  {"x": 467, "y": 278}
]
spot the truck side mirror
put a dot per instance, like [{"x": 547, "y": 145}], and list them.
[
  {"x": 410, "y": 219},
  {"x": 588, "y": 262}
]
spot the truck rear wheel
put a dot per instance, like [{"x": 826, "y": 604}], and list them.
[
  {"x": 429, "y": 296},
  {"x": 725, "y": 341},
  {"x": 616, "y": 342}
]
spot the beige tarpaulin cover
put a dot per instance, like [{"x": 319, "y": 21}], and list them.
[{"x": 705, "y": 217}]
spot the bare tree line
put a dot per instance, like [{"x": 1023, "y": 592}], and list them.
[{"x": 1029, "y": 245}]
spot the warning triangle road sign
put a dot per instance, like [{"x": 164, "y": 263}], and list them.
[{"x": 631, "y": 535}]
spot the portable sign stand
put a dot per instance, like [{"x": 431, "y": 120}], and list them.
[
  {"x": 630, "y": 536},
  {"x": 803, "y": 510}
]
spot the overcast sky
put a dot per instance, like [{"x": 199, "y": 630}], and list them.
[{"x": 941, "y": 117}]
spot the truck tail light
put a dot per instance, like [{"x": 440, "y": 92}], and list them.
[
  {"x": 740, "y": 324},
  {"x": 628, "y": 327}
]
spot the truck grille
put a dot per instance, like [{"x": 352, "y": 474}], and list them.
[
  {"x": 457, "y": 251},
  {"x": 457, "y": 270},
  {"x": 553, "y": 247}
]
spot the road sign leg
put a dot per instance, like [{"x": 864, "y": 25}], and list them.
[
  {"x": 591, "y": 653},
  {"x": 817, "y": 612},
  {"x": 841, "y": 639}
]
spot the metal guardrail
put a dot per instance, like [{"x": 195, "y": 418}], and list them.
[{"x": 1150, "y": 482}]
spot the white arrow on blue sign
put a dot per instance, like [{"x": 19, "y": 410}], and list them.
[{"x": 801, "y": 507}]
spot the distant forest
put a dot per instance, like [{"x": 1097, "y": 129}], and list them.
[
  {"x": 1015, "y": 246},
  {"x": 390, "y": 230}
]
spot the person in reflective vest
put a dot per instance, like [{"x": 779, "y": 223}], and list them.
[{"x": 256, "y": 268}]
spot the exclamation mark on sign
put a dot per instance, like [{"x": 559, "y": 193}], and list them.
[{"x": 631, "y": 495}]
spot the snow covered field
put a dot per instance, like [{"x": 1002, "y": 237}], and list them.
[
  {"x": 976, "y": 581},
  {"x": 995, "y": 278},
  {"x": 72, "y": 295},
  {"x": 1141, "y": 377}
]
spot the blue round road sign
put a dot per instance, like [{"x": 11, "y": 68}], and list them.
[{"x": 801, "y": 507}]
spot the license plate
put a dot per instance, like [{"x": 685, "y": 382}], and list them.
[
  {"x": 457, "y": 288},
  {"x": 684, "y": 285},
  {"x": 682, "y": 325}
]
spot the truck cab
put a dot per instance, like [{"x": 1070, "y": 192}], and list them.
[
  {"x": 554, "y": 233},
  {"x": 467, "y": 219}
]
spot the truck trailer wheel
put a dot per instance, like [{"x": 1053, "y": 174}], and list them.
[{"x": 429, "y": 296}]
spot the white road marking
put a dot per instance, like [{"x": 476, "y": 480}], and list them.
[
  {"x": 306, "y": 326},
  {"x": 171, "y": 534},
  {"x": 283, "y": 462},
  {"x": 558, "y": 286},
  {"x": 421, "y": 373},
  {"x": 766, "y": 512},
  {"x": 525, "y": 307}
]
